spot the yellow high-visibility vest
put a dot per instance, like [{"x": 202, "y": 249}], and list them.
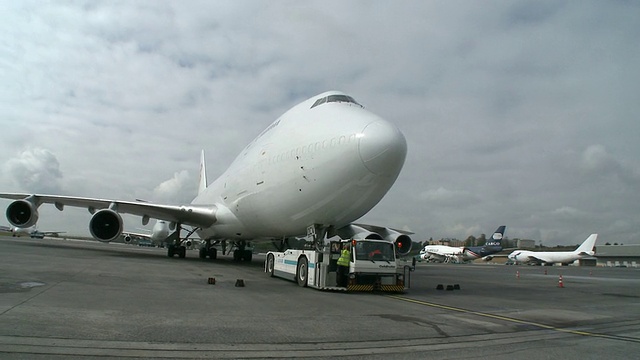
[{"x": 345, "y": 256}]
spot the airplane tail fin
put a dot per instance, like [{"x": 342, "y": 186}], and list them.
[
  {"x": 496, "y": 238},
  {"x": 587, "y": 246},
  {"x": 203, "y": 174}
]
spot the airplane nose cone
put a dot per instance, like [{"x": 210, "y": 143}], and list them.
[{"x": 382, "y": 148}]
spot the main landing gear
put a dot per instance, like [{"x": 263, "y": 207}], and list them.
[
  {"x": 240, "y": 251},
  {"x": 209, "y": 250},
  {"x": 175, "y": 245}
]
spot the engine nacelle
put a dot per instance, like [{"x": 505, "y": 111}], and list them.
[
  {"x": 403, "y": 244},
  {"x": 106, "y": 225},
  {"x": 401, "y": 241},
  {"x": 22, "y": 213}
]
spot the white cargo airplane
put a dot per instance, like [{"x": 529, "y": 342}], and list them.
[
  {"x": 322, "y": 165},
  {"x": 458, "y": 254},
  {"x": 33, "y": 232},
  {"x": 159, "y": 233},
  {"x": 551, "y": 257}
]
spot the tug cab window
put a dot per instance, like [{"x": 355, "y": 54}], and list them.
[{"x": 335, "y": 98}]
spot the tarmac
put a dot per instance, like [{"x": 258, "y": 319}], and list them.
[{"x": 63, "y": 299}]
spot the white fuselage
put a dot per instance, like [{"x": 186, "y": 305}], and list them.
[
  {"x": 159, "y": 232},
  {"x": 325, "y": 165},
  {"x": 549, "y": 257},
  {"x": 565, "y": 257},
  {"x": 440, "y": 252},
  {"x": 17, "y": 231}
]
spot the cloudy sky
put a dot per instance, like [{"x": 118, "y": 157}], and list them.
[{"x": 520, "y": 113}]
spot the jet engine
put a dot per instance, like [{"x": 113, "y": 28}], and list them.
[
  {"x": 106, "y": 225},
  {"x": 401, "y": 241},
  {"x": 22, "y": 213}
]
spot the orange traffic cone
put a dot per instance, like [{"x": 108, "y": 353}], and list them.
[{"x": 560, "y": 283}]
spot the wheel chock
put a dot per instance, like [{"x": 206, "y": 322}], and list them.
[
  {"x": 440, "y": 287},
  {"x": 211, "y": 281},
  {"x": 449, "y": 287},
  {"x": 239, "y": 283}
]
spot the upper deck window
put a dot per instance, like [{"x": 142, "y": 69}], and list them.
[{"x": 335, "y": 98}]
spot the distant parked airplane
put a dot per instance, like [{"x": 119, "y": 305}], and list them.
[
  {"x": 552, "y": 257},
  {"x": 33, "y": 232},
  {"x": 159, "y": 235},
  {"x": 443, "y": 253}
]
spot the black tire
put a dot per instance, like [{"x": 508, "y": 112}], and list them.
[
  {"x": 302, "y": 275},
  {"x": 271, "y": 263},
  {"x": 213, "y": 253},
  {"x": 171, "y": 251},
  {"x": 248, "y": 255},
  {"x": 202, "y": 253},
  {"x": 182, "y": 252}
]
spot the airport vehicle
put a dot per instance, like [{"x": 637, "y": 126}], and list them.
[
  {"x": 443, "y": 253},
  {"x": 553, "y": 257},
  {"x": 372, "y": 266},
  {"x": 322, "y": 165}
]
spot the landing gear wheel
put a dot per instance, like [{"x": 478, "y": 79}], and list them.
[
  {"x": 182, "y": 252},
  {"x": 171, "y": 250},
  {"x": 303, "y": 272},
  {"x": 270, "y": 264},
  {"x": 202, "y": 253},
  {"x": 213, "y": 253}
]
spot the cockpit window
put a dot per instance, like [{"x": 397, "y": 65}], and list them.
[{"x": 335, "y": 98}]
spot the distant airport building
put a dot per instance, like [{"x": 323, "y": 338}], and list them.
[
  {"x": 618, "y": 255},
  {"x": 447, "y": 242}
]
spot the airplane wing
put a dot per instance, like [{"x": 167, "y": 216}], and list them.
[
  {"x": 381, "y": 229},
  {"x": 436, "y": 257},
  {"x": 535, "y": 259},
  {"x": 193, "y": 215},
  {"x": 136, "y": 235},
  {"x": 400, "y": 238}
]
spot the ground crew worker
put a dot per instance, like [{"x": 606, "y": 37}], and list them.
[{"x": 342, "y": 274}]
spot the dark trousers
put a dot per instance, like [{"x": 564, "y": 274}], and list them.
[{"x": 342, "y": 275}]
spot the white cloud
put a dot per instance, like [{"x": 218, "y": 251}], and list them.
[
  {"x": 179, "y": 189},
  {"x": 596, "y": 160},
  {"x": 568, "y": 212},
  {"x": 445, "y": 197},
  {"x": 35, "y": 170}
]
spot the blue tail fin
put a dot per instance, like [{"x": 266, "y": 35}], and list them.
[{"x": 496, "y": 238}]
